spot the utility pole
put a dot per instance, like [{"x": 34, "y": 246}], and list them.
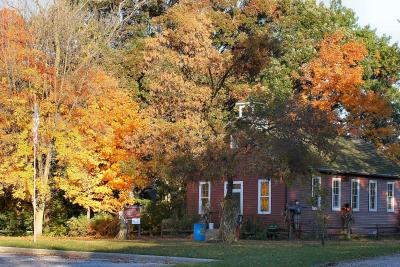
[{"x": 35, "y": 130}]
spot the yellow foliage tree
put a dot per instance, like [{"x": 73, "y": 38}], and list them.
[{"x": 84, "y": 120}]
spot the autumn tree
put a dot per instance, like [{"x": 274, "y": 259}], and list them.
[
  {"x": 54, "y": 59},
  {"x": 97, "y": 160},
  {"x": 333, "y": 82},
  {"x": 191, "y": 82}
]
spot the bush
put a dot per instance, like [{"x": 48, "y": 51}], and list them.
[
  {"x": 186, "y": 222},
  {"x": 78, "y": 226},
  {"x": 16, "y": 222},
  {"x": 253, "y": 228},
  {"x": 104, "y": 225},
  {"x": 56, "y": 230},
  {"x": 153, "y": 213}
]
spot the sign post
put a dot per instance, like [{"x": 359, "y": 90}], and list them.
[{"x": 132, "y": 213}]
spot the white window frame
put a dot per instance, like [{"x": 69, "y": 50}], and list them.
[
  {"x": 200, "y": 197},
  {"x": 259, "y": 196},
  {"x": 236, "y": 191},
  {"x": 375, "y": 182},
  {"x": 338, "y": 208},
  {"x": 312, "y": 192},
  {"x": 358, "y": 194},
  {"x": 392, "y": 197}
]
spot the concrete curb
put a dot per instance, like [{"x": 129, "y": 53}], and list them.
[{"x": 114, "y": 257}]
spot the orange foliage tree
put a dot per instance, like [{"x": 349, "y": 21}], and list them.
[
  {"x": 93, "y": 146},
  {"x": 333, "y": 82}
]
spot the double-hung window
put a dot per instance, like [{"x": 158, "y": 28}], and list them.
[
  {"x": 390, "y": 197},
  {"x": 264, "y": 196},
  {"x": 373, "y": 195},
  {"x": 315, "y": 192},
  {"x": 204, "y": 195},
  {"x": 355, "y": 194},
  {"x": 336, "y": 193}
]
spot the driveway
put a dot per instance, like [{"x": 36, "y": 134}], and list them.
[{"x": 385, "y": 261}]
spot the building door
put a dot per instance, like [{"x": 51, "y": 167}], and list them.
[{"x": 237, "y": 193}]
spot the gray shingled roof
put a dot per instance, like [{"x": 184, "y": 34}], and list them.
[{"x": 356, "y": 156}]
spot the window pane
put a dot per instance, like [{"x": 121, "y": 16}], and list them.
[
  {"x": 264, "y": 188},
  {"x": 355, "y": 205},
  {"x": 265, "y": 204},
  {"x": 204, "y": 202},
  {"x": 372, "y": 203},
  {"x": 336, "y": 187},
  {"x": 204, "y": 190},
  {"x": 336, "y": 201}
]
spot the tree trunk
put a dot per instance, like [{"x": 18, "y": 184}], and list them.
[
  {"x": 123, "y": 229},
  {"x": 230, "y": 213},
  {"x": 229, "y": 187},
  {"x": 39, "y": 219},
  {"x": 42, "y": 197},
  {"x": 323, "y": 238},
  {"x": 88, "y": 213}
]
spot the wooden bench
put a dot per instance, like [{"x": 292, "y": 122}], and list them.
[
  {"x": 380, "y": 230},
  {"x": 167, "y": 228},
  {"x": 178, "y": 231}
]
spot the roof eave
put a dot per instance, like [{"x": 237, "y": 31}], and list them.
[{"x": 357, "y": 173}]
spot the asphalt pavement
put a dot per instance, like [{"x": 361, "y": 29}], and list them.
[
  {"x": 15, "y": 260},
  {"x": 27, "y": 257},
  {"x": 385, "y": 261}
]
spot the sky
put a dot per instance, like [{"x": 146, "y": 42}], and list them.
[{"x": 382, "y": 15}]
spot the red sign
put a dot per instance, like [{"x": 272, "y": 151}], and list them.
[{"x": 132, "y": 212}]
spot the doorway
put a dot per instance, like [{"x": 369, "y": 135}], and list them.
[{"x": 237, "y": 193}]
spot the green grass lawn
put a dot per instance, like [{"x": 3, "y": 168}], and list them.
[{"x": 243, "y": 253}]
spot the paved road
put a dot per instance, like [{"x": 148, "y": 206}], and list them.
[
  {"x": 15, "y": 260},
  {"x": 24, "y": 257},
  {"x": 386, "y": 261}
]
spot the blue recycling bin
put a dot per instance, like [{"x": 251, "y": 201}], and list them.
[{"x": 199, "y": 232}]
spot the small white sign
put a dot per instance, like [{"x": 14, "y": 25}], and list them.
[{"x": 136, "y": 221}]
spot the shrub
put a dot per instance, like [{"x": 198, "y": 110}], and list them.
[
  {"x": 186, "y": 222},
  {"x": 153, "y": 213},
  {"x": 104, "y": 225},
  {"x": 182, "y": 223},
  {"x": 16, "y": 222},
  {"x": 78, "y": 226},
  {"x": 56, "y": 230},
  {"x": 253, "y": 228}
]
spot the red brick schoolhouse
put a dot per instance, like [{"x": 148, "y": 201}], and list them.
[{"x": 360, "y": 176}]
